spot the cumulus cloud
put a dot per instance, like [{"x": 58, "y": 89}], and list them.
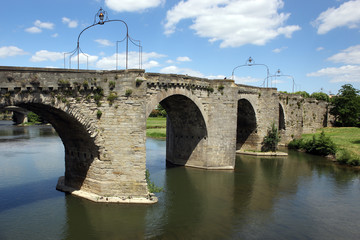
[
  {"x": 347, "y": 73},
  {"x": 148, "y": 61},
  {"x": 346, "y": 15},
  {"x": 44, "y": 55},
  {"x": 183, "y": 59},
  {"x": 350, "y": 55},
  {"x": 279, "y": 50},
  {"x": 38, "y": 26},
  {"x": 104, "y": 42},
  {"x": 247, "y": 80},
  {"x": 184, "y": 71},
  {"x": 233, "y": 23},
  {"x": 132, "y": 6},
  {"x": 11, "y": 51},
  {"x": 69, "y": 22}
]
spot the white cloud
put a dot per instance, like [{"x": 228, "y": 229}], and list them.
[
  {"x": 279, "y": 50},
  {"x": 38, "y": 26},
  {"x": 131, "y": 5},
  {"x": 183, "y": 59},
  {"x": 183, "y": 71},
  {"x": 233, "y": 23},
  {"x": 347, "y": 73},
  {"x": 148, "y": 61},
  {"x": 69, "y": 22},
  {"x": 11, "y": 51},
  {"x": 55, "y": 35},
  {"x": 44, "y": 55},
  {"x": 84, "y": 58},
  {"x": 104, "y": 42},
  {"x": 33, "y": 30},
  {"x": 46, "y": 25},
  {"x": 350, "y": 55},
  {"x": 319, "y": 49},
  {"x": 346, "y": 15}
]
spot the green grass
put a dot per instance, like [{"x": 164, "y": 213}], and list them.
[
  {"x": 156, "y": 127},
  {"x": 345, "y": 137}
]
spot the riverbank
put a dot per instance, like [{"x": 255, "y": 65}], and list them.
[
  {"x": 156, "y": 127},
  {"x": 347, "y": 141}
]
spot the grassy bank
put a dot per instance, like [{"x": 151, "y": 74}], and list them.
[
  {"x": 347, "y": 140},
  {"x": 156, "y": 127}
]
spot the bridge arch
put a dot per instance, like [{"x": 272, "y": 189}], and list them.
[
  {"x": 186, "y": 130},
  {"x": 75, "y": 131},
  {"x": 246, "y": 133}
]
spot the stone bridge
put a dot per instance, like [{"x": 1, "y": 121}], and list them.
[{"x": 100, "y": 117}]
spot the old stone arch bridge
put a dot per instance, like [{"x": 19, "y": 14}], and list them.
[{"x": 100, "y": 117}]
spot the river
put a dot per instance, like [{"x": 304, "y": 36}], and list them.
[{"x": 298, "y": 197}]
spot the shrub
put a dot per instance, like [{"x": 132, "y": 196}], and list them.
[
  {"x": 112, "y": 97},
  {"x": 128, "y": 92},
  {"x": 322, "y": 145},
  {"x": 295, "y": 144},
  {"x": 151, "y": 185},
  {"x": 98, "y": 114},
  {"x": 112, "y": 84},
  {"x": 271, "y": 140}
]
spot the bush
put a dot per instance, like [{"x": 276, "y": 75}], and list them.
[
  {"x": 33, "y": 118},
  {"x": 151, "y": 185},
  {"x": 296, "y": 144},
  {"x": 344, "y": 157},
  {"x": 271, "y": 140},
  {"x": 322, "y": 146}
]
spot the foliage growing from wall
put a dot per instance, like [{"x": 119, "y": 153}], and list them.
[
  {"x": 112, "y": 97},
  {"x": 128, "y": 92}
]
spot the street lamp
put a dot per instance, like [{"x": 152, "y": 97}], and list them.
[
  {"x": 279, "y": 74},
  {"x": 100, "y": 19},
  {"x": 250, "y": 62}
]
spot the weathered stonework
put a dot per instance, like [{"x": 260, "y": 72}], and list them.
[{"x": 100, "y": 117}]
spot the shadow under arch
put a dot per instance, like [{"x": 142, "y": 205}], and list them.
[
  {"x": 186, "y": 130},
  {"x": 80, "y": 147},
  {"x": 246, "y": 133},
  {"x": 282, "y": 125}
]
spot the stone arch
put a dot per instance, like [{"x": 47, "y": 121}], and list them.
[
  {"x": 157, "y": 98},
  {"x": 186, "y": 132},
  {"x": 246, "y": 133},
  {"x": 76, "y": 131}
]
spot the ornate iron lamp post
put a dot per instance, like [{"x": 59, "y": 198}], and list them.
[
  {"x": 100, "y": 19},
  {"x": 279, "y": 74},
  {"x": 251, "y": 62}
]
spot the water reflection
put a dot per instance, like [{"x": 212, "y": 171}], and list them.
[{"x": 301, "y": 197}]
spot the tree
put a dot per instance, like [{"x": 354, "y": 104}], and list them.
[
  {"x": 346, "y": 106},
  {"x": 271, "y": 140},
  {"x": 303, "y": 94},
  {"x": 320, "y": 96}
]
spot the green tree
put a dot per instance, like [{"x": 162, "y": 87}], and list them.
[
  {"x": 271, "y": 140},
  {"x": 346, "y": 107},
  {"x": 320, "y": 96},
  {"x": 303, "y": 94}
]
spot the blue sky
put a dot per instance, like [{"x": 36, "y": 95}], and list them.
[{"x": 314, "y": 43}]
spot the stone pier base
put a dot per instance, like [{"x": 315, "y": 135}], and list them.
[{"x": 151, "y": 199}]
